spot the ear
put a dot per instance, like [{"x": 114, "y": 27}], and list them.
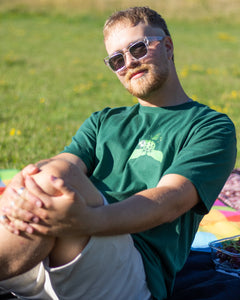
[{"x": 169, "y": 47}]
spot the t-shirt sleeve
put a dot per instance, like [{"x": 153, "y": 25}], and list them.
[
  {"x": 207, "y": 159},
  {"x": 83, "y": 143}
]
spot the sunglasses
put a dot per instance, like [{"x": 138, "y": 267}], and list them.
[{"x": 138, "y": 50}]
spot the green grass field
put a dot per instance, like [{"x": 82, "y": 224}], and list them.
[{"x": 52, "y": 74}]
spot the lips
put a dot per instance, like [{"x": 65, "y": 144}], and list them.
[{"x": 136, "y": 74}]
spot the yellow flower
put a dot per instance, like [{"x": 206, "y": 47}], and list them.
[
  {"x": 42, "y": 100},
  {"x": 195, "y": 67},
  {"x": 184, "y": 72},
  {"x": 135, "y": 100},
  {"x": 212, "y": 71},
  {"x": 83, "y": 87},
  {"x": 234, "y": 94},
  {"x": 220, "y": 109},
  {"x": 194, "y": 97},
  {"x": 12, "y": 131},
  {"x": 226, "y": 37}
]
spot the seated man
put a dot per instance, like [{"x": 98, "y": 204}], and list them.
[
  {"x": 160, "y": 164},
  {"x": 68, "y": 262}
]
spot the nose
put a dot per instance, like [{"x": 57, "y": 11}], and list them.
[{"x": 130, "y": 61}]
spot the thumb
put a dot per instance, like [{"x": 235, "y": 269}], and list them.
[
  {"x": 30, "y": 170},
  {"x": 60, "y": 185}
]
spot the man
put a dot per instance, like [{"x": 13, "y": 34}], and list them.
[{"x": 160, "y": 164}]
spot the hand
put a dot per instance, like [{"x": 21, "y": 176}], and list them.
[
  {"x": 58, "y": 216},
  {"x": 10, "y": 196}
]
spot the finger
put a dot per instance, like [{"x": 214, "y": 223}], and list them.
[
  {"x": 30, "y": 170},
  {"x": 17, "y": 180},
  {"x": 32, "y": 200},
  {"x": 36, "y": 190},
  {"x": 59, "y": 184},
  {"x": 19, "y": 226},
  {"x": 5, "y": 221},
  {"x": 19, "y": 208}
]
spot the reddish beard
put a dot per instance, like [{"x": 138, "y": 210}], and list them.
[{"x": 152, "y": 79}]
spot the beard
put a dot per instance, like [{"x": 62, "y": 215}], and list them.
[{"x": 152, "y": 80}]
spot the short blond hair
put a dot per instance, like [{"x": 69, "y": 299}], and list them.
[{"x": 134, "y": 16}]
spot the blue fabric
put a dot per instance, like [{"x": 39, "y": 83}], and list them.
[{"x": 198, "y": 280}]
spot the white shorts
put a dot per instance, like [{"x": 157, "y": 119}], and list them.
[{"x": 108, "y": 268}]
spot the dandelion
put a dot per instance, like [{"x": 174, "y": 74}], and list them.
[
  {"x": 212, "y": 71},
  {"x": 226, "y": 37},
  {"x": 220, "y": 109},
  {"x": 194, "y": 97},
  {"x": 83, "y": 87},
  {"x": 197, "y": 68},
  {"x": 135, "y": 100},
  {"x": 184, "y": 72},
  {"x": 13, "y": 132},
  {"x": 42, "y": 100},
  {"x": 234, "y": 95}
]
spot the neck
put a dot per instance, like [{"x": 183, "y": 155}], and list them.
[{"x": 170, "y": 94}]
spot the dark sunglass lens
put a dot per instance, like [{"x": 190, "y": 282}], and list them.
[
  {"x": 138, "y": 50},
  {"x": 116, "y": 62}
]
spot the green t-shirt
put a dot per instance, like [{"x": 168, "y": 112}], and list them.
[{"x": 129, "y": 149}]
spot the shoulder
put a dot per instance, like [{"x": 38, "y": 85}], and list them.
[
  {"x": 109, "y": 112},
  {"x": 204, "y": 116}
]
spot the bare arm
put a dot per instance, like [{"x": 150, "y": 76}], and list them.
[{"x": 173, "y": 196}]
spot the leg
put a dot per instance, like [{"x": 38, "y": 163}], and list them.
[
  {"x": 18, "y": 254},
  {"x": 67, "y": 248}
]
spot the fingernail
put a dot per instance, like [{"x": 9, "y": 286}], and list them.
[
  {"x": 6, "y": 210},
  {"x": 35, "y": 219},
  {"x": 53, "y": 178},
  {"x": 39, "y": 203},
  {"x": 29, "y": 229}
]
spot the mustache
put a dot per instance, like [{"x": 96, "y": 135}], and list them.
[{"x": 131, "y": 72}]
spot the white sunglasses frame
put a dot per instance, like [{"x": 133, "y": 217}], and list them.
[{"x": 146, "y": 40}]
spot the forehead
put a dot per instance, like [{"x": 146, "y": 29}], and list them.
[{"x": 122, "y": 34}]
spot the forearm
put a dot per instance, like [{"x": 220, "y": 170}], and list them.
[{"x": 145, "y": 209}]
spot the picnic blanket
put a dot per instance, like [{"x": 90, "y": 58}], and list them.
[
  {"x": 5, "y": 177},
  {"x": 223, "y": 220}
]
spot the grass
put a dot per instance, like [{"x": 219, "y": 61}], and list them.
[{"x": 52, "y": 75}]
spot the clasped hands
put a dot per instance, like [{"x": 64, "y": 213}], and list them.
[{"x": 24, "y": 207}]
